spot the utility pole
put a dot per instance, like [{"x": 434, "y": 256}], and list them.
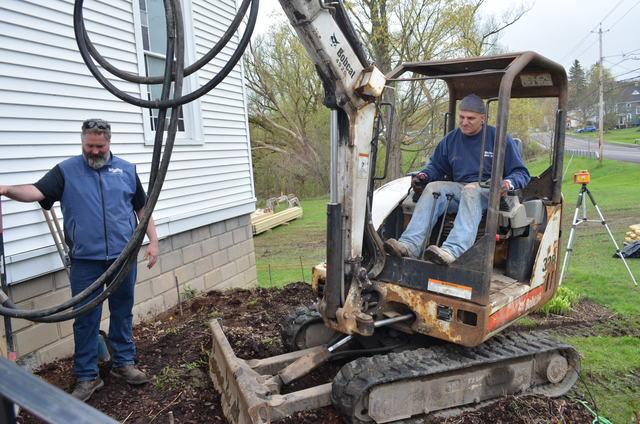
[{"x": 601, "y": 109}]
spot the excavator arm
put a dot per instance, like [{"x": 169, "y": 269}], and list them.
[{"x": 352, "y": 87}]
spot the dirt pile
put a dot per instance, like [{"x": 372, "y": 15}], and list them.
[{"x": 173, "y": 349}]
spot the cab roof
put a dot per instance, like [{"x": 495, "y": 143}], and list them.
[{"x": 533, "y": 75}]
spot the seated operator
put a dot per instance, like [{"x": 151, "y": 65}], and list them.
[{"x": 458, "y": 157}]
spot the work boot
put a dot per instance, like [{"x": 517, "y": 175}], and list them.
[
  {"x": 130, "y": 374},
  {"x": 438, "y": 255},
  {"x": 84, "y": 389},
  {"x": 396, "y": 248}
]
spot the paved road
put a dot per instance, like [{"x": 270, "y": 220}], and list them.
[{"x": 614, "y": 151}]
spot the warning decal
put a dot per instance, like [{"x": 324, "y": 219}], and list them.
[{"x": 450, "y": 289}]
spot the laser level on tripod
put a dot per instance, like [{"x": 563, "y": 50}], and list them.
[{"x": 584, "y": 178}]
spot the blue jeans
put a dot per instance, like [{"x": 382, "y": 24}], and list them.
[
  {"x": 469, "y": 200},
  {"x": 86, "y": 327}
]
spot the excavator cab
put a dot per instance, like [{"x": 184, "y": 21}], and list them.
[{"x": 511, "y": 268}]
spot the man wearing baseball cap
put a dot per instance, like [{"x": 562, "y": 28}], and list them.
[{"x": 454, "y": 170}]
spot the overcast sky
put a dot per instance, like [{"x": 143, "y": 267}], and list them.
[{"x": 559, "y": 30}]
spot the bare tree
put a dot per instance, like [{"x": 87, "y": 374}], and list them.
[
  {"x": 285, "y": 104},
  {"x": 397, "y": 31},
  {"x": 288, "y": 121}
]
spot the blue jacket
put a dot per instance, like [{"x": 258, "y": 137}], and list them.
[
  {"x": 97, "y": 207},
  {"x": 457, "y": 158}
]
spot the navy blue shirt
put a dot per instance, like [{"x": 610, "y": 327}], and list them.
[{"x": 457, "y": 158}]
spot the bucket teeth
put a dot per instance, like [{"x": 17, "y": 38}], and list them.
[
  {"x": 244, "y": 394},
  {"x": 250, "y": 390}
]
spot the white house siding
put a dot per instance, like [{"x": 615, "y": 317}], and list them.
[{"x": 46, "y": 91}]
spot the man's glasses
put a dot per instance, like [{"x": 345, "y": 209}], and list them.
[{"x": 96, "y": 123}]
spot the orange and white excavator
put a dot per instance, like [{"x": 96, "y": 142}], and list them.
[{"x": 421, "y": 337}]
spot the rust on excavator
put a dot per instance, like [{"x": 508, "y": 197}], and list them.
[
  {"x": 249, "y": 394},
  {"x": 425, "y": 305}
]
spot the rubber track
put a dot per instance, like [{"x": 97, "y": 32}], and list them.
[
  {"x": 296, "y": 321},
  {"x": 357, "y": 378}
]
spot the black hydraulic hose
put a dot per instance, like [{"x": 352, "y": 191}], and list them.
[
  {"x": 131, "y": 249},
  {"x": 174, "y": 71},
  {"x": 136, "y": 240},
  {"x": 178, "y": 100},
  {"x": 162, "y": 113},
  {"x": 371, "y": 351},
  {"x": 8, "y": 331},
  {"x": 211, "y": 54},
  {"x": 343, "y": 21}
]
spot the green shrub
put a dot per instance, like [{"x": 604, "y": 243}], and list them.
[{"x": 562, "y": 302}]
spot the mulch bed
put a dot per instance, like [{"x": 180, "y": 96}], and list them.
[{"x": 173, "y": 350}]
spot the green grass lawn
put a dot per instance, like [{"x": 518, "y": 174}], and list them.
[
  {"x": 609, "y": 363},
  {"x": 627, "y": 135},
  {"x": 610, "y": 367},
  {"x": 592, "y": 273},
  {"x": 287, "y": 253}
]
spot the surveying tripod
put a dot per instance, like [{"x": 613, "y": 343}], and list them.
[{"x": 577, "y": 221}]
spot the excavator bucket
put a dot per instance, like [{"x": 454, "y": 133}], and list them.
[{"x": 249, "y": 394}]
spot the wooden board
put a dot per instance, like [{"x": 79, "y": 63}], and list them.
[{"x": 263, "y": 222}]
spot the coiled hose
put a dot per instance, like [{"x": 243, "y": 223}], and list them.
[{"x": 174, "y": 73}]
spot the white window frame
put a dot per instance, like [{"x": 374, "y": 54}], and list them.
[{"x": 193, "y": 133}]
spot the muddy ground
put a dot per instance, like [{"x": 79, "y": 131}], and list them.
[{"x": 173, "y": 350}]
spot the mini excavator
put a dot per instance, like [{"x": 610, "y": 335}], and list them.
[{"x": 419, "y": 337}]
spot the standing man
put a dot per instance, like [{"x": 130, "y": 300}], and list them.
[
  {"x": 457, "y": 158},
  {"x": 100, "y": 195}
]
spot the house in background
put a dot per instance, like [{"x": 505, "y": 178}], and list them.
[
  {"x": 573, "y": 119},
  {"x": 627, "y": 107},
  {"x": 46, "y": 92}
]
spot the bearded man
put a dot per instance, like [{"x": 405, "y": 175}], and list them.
[{"x": 101, "y": 199}]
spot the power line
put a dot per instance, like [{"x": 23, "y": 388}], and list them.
[
  {"x": 625, "y": 14},
  {"x": 625, "y": 73},
  {"x": 624, "y": 68},
  {"x": 593, "y": 29},
  {"x": 576, "y": 46},
  {"x": 623, "y": 54},
  {"x": 618, "y": 62},
  {"x": 611, "y": 11},
  {"x": 615, "y": 86},
  {"x": 585, "y": 50}
]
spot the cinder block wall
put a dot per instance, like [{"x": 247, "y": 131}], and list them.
[{"x": 213, "y": 257}]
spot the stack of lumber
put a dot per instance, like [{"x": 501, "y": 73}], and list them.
[
  {"x": 633, "y": 234},
  {"x": 264, "y": 219}
]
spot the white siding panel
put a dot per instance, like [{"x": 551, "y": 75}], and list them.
[
  {"x": 78, "y": 103},
  {"x": 46, "y": 91},
  {"x": 34, "y": 263},
  {"x": 37, "y": 64},
  {"x": 38, "y": 112}
]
